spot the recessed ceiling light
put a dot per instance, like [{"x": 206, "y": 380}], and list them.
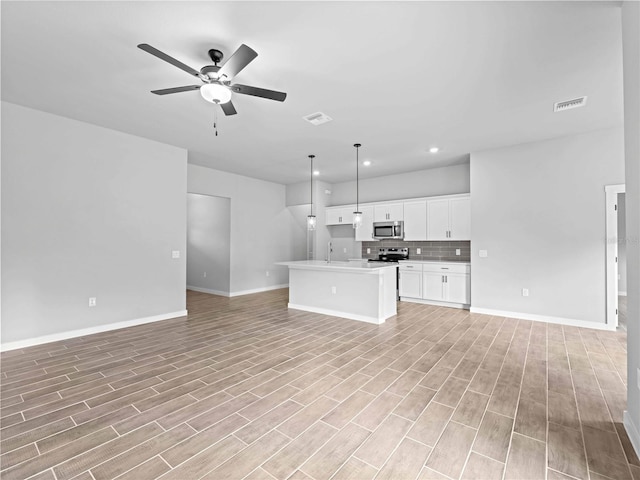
[
  {"x": 316, "y": 172},
  {"x": 366, "y": 163},
  {"x": 434, "y": 149}
]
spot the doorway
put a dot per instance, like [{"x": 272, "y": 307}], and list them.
[
  {"x": 615, "y": 271},
  {"x": 208, "y": 244}
]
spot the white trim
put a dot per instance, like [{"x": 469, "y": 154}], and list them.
[
  {"x": 622, "y": 294},
  {"x": 335, "y": 313},
  {"x": 258, "y": 290},
  {"x": 632, "y": 431},
  {"x": 435, "y": 302},
  {"x": 208, "y": 290},
  {"x": 544, "y": 318},
  {"x": 611, "y": 252},
  {"x": 29, "y": 342}
]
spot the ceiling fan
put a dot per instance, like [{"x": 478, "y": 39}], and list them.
[{"x": 216, "y": 81}]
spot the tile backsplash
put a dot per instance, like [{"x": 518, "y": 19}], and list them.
[{"x": 440, "y": 250}]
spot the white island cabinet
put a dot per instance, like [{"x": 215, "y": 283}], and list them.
[{"x": 355, "y": 290}]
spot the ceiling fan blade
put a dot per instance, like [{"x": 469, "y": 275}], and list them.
[
  {"x": 163, "y": 56},
  {"x": 228, "y": 108},
  {"x": 258, "y": 92},
  {"x": 167, "y": 91},
  {"x": 240, "y": 59}
]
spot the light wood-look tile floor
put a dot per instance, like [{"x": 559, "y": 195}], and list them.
[{"x": 245, "y": 389}]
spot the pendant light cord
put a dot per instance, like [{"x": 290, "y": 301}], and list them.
[
  {"x": 357, "y": 145},
  {"x": 311, "y": 157}
]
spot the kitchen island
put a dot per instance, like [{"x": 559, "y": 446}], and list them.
[{"x": 355, "y": 290}]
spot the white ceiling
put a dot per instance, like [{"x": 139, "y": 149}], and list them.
[{"x": 397, "y": 77}]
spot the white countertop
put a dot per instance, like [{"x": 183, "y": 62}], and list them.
[
  {"x": 352, "y": 266},
  {"x": 436, "y": 261}
]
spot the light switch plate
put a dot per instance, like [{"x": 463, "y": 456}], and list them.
[
  {"x": 483, "y": 254},
  {"x": 418, "y": 251},
  {"x": 457, "y": 251},
  {"x": 175, "y": 254}
]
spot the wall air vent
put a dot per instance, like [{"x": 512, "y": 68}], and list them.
[
  {"x": 317, "y": 118},
  {"x": 569, "y": 104}
]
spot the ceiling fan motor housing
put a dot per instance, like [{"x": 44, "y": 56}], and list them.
[{"x": 210, "y": 71}]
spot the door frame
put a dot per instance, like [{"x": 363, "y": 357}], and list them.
[{"x": 611, "y": 236}]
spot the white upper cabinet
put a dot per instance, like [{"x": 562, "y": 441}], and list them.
[
  {"x": 339, "y": 215},
  {"x": 388, "y": 212},
  {"x": 415, "y": 220},
  {"x": 460, "y": 218},
  {"x": 365, "y": 232},
  {"x": 449, "y": 219}
]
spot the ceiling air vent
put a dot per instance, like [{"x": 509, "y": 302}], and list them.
[
  {"x": 318, "y": 118},
  {"x": 569, "y": 104}
]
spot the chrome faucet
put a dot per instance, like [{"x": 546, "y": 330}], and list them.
[{"x": 329, "y": 250}]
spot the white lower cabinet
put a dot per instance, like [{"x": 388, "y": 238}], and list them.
[
  {"x": 446, "y": 284},
  {"x": 433, "y": 286},
  {"x": 410, "y": 280}
]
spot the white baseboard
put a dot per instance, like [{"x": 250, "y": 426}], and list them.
[
  {"x": 29, "y": 342},
  {"x": 238, "y": 293},
  {"x": 436, "y": 303},
  {"x": 208, "y": 290},
  {"x": 543, "y": 318},
  {"x": 632, "y": 432},
  {"x": 334, "y": 313},
  {"x": 622, "y": 294},
  {"x": 258, "y": 290}
]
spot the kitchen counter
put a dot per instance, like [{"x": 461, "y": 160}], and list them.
[
  {"x": 351, "y": 265},
  {"x": 356, "y": 290},
  {"x": 457, "y": 262}
]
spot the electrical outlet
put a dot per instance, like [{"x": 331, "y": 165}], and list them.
[
  {"x": 368, "y": 251},
  {"x": 204, "y": 274},
  {"x": 457, "y": 251},
  {"x": 638, "y": 378},
  {"x": 175, "y": 254},
  {"x": 92, "y": 301},
  {"x": 334, "y": 290},
  {"x": 525, "y": 292},
  {"x": 268, "y": 273},
  {"x": 344, "y": 250},
  {"x": 418, "y": 251},
  {"x": 483, "y": 254}
]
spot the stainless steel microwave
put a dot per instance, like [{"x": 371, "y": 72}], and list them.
[{"x": 388, "y": 230}]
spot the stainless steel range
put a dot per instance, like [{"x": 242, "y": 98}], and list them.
[{"x": 392, "y": 255}]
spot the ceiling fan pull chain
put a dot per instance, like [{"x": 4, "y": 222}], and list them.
[{"x": 215, "y": 120}]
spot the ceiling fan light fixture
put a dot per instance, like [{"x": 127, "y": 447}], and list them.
[{"x": 215, "y": 93}]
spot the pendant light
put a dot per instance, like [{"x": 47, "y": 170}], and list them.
[
  {"x": 311, "y": 218},
  {"x": 357, "y": 215}
]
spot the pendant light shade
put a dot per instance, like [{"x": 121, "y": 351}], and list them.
[
  {"x": 357, "y": 215},
  {"x": 311, "y": 218}
]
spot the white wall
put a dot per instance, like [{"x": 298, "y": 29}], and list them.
[
  {"x": 87, "y": 212},
  {"x": 422, "y": 183},
  {"x": 631, "y": 64},
  {"x": 208, "y": 243},
  {"x": 539, "y": 210},
  {"x": 261, "y": 227}
]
